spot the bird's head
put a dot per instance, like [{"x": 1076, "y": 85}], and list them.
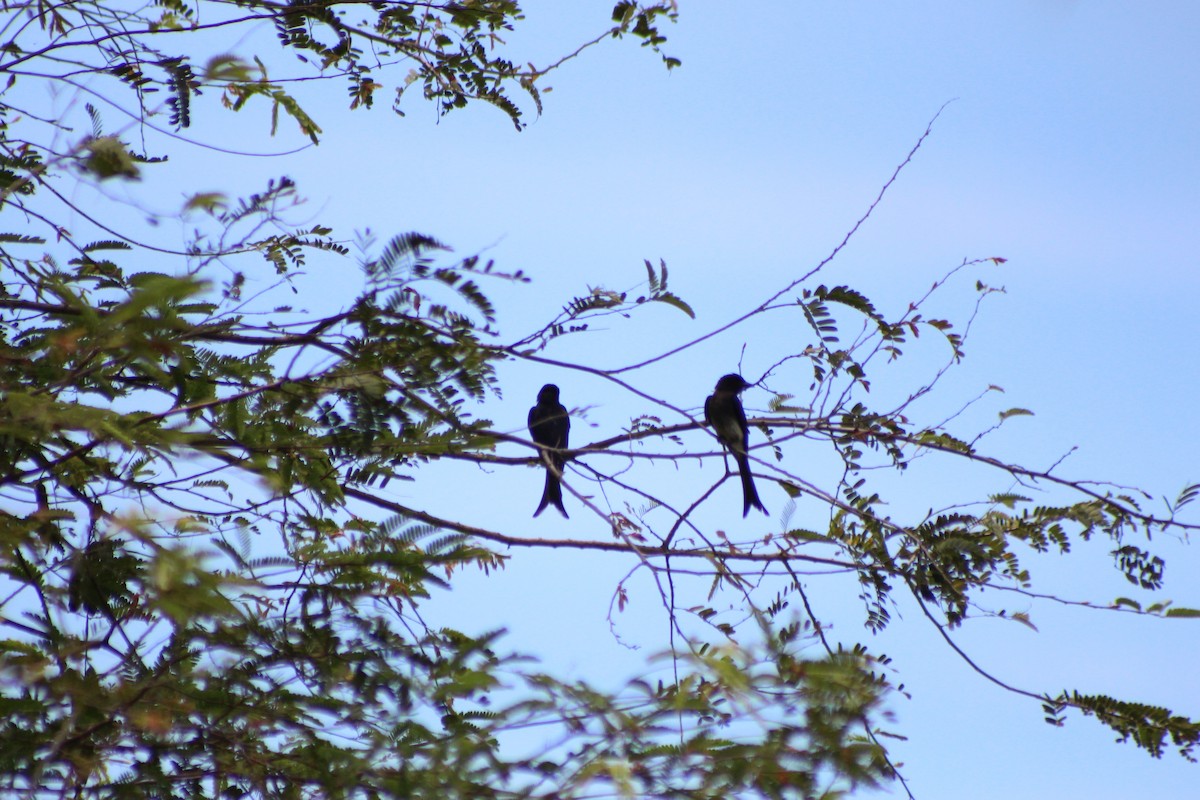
[{"x": 731, "y": 383}]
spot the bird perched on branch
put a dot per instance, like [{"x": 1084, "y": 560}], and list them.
[
  {"x": 549, "y": 426},
  {"x": 723, "y": 410}
]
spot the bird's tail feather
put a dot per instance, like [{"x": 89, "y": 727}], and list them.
[
  {"x": 552, "y": 494},
  {"x": 749, "y": 491}
]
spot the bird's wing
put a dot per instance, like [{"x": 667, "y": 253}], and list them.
[{"x": 562, "y": 427}]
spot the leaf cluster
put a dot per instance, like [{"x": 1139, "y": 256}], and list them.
[{"x": 160, "y": 646}]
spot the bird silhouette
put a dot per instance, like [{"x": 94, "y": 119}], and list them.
[
  {"x": 723, "y": 410},
  {"x": 550, "y": 426}
]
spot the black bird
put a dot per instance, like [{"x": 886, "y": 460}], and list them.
[
  {"x": 549, "y": 426},
  {"x": 723, "y": 410}
]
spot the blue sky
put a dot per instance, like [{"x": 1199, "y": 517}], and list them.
[{"x": 1071, "y": 147}]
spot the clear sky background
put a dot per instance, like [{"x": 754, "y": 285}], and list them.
[{"x": 1071, "y": 148}]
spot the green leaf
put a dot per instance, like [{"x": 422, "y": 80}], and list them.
[
  {"x": 1189, "y": 494},
  {"x": 206, "y": 201},
  {"x": 806, "y": 535},
  {"x": 1023, "y": 618},
  {"x": 108, "y": 157},
  {"x": 20, "y": 238},
  {"x": 228, "y": 68},
  {"x": 791, "y": 489},
  {"x": 1009, "y": 500},
  {"x": 672, "y": 300},
  {"x": 1187, "y": 613}
]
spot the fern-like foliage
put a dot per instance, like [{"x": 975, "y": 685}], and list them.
[
  {"x": 182, "y": 85},
  {"x": 1152, "y": 728}
]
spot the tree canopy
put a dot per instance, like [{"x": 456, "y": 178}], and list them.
[{"x": 209, "y": 588}]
